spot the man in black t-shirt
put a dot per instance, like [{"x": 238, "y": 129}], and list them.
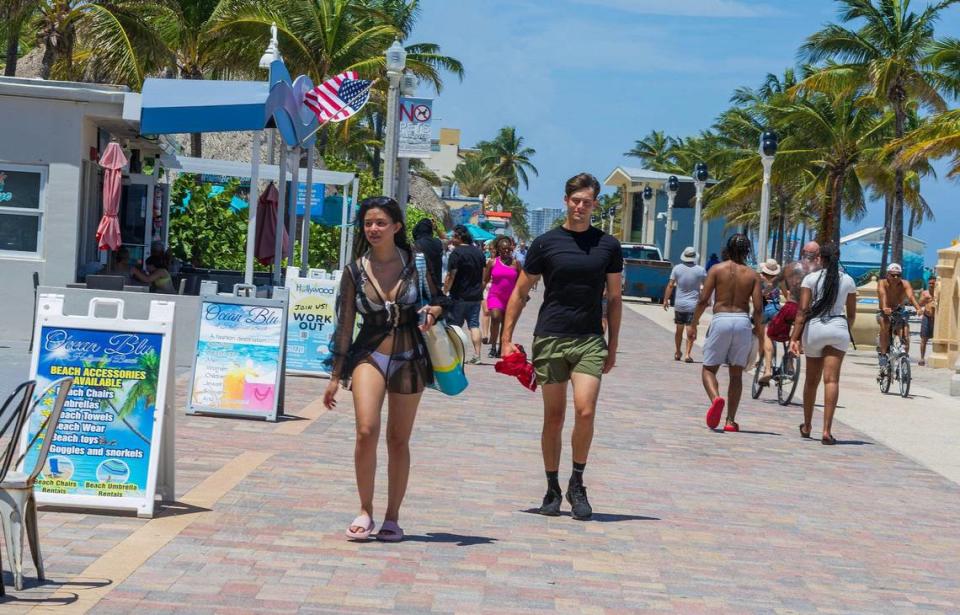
[
  {"x": 464, "y": 284},
  {"x": 577, "y": 261}
]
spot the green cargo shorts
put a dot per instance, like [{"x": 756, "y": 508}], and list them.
[{"x": 555, "y": 358}]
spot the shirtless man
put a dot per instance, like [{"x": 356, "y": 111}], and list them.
[
  {"x": 733, "y": 285},
  {"x": 894, "y": 292},
  {"x": 794, "y": 272},
  {"x": 928, "y": 301}
]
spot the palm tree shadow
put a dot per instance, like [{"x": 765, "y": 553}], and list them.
[
  {"x": 760, "y": 433},
  {"x": 443, "y": 537},
  {"x": 853, "y": 443},
  {"x": 600, "y": 517}
]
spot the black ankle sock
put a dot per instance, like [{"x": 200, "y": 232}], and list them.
[
  {"x": 553, "y": 481},
  {"x": 577, "y": 476}
]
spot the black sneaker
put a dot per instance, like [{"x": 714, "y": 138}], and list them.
[
  {"x": 551, "y": 503},
  {"x": 580, "y": 505},
  {"x": 493, "y": 354}
]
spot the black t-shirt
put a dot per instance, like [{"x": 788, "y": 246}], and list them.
[
  {"x": 468, "y": 262},
  {"x": 574, "y": 267},
  {"x": 432, "y": 251}
]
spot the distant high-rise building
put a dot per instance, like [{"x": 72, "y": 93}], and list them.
[{"x": 541, "y": 220}]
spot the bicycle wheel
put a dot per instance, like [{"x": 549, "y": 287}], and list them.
[
  {"x": 787, "y": 385},
  {"x": 884, "y": 379},
  {"x": 903, "y": 373},
  {"x": 757, "y": 388}
]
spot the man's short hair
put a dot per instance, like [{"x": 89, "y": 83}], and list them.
[{"x": 581, "y": 181}]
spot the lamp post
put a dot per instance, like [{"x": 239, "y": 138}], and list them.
[
  {"x": 767, "y": 149},
  {"x": 408, "y": 87},
  {"x": 269, "y": 56},
  {"x": 648, "y": 212},
  {"x": 396, "y": 61},
  {"x": 673, "y": 184},
  {"x": 700, "y": 175}
]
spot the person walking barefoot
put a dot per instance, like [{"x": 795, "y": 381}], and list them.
[
  {"x": 733, "y": 286},
  {"x": 501, "y": 274},
  {"x": 828, "y": 307},
  {"x": 388, "y": 360},
  {"x": 576, "y": 261}
]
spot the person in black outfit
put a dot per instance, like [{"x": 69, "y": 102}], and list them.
[
  {"x": 427, "y": 244},
  {"x": 464, "y": 284},
  {"x": 577, "y": 261}
]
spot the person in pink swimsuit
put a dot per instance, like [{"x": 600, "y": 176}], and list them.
[{"x": 501, "y": 273}]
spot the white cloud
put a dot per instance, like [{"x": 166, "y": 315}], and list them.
[{"x": 689, "y": 8}]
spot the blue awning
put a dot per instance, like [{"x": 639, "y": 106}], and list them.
[{"x": 171, "y": 106}]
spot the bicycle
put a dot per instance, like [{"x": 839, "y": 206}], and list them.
[
  {"x": 898, "y": 360},
  {"x": 786, "y": 375}
]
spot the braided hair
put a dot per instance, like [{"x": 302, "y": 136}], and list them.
[
  {"x": 830, "y": 261},
  {"x": 392, "y": 209},
  {"x": 738, "y": 248}
]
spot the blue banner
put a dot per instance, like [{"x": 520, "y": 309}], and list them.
[
  {"x": 311, "y": 320},
  {"x": 101, "y": 446}
]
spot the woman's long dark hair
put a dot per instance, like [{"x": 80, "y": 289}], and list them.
[
  {"x": 830, "y": 261},
  {"x": 392, "y": 208}
]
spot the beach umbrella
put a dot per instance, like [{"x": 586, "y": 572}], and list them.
[
  {"x": 108, "y": 232},
  {"x": 266, "y": 232}
]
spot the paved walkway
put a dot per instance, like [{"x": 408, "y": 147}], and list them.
[{"x": 688, "y": 520}]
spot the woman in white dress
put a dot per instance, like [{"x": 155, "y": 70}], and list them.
[{"x": 828, "y": 306}]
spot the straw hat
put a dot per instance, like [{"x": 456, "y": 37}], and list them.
[
  {"x": 771, "y": 267},
  {"x": 689, "y": 255}
]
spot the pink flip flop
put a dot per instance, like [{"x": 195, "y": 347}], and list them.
[
  {"x": 363, "y": 520},
  {"x": 715, "y": 412},
  {"x": 390, "y": 532}
]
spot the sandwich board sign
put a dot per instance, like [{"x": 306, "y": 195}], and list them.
[
  {"x": 239, "y": 360},
  {"x": 113, "y": 446},
  {"x": 311, "y": 321}
]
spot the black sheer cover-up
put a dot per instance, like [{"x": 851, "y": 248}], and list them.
[{"x": 407, "y": 368}]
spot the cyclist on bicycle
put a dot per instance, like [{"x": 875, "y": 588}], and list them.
[
  {"x": 894, "y": 293},
  {"x": 770, "y": 292},
  {"x": 779, "y": 328}
]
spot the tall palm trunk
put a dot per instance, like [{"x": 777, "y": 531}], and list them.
[
  {"x": 829, "y": 228},
  {"x": 803, "y": 240},
  {"x": 48, "y": 59},
  {"x": 196, "y": 139},
  {"x": 13, "y": 47},
  {"x": 897, "y": 222},
  {"x": 887, "y": 212},
  {"x": 913, "y": 222}
]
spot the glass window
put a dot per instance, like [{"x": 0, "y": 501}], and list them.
[
  {"x": 19, "y": 233},
  {"x": 21, "y": 207}
]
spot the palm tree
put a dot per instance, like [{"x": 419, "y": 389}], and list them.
[
  {"x": 14, "y": 14},
  {"x": 472, "y": 177},
  {"x": 890, "y": 59},
  {"x": 936, "y": 138},
  {"x": 830, "y": 136},
  {"x": 118, "y": 43},
  {"x": 509, "y": 160},
  {"x": 655, "y": 152}
]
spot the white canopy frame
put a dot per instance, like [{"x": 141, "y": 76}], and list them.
[{"x": 256, "y": 172}]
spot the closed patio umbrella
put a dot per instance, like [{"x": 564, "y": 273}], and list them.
[
  {"x": 266, "y": 232},
  {"x": 108, "y": 232}
]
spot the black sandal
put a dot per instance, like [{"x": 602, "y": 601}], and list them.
[
  {"x": 804, "y": 434},
  {"x": 830, "y": 440}
]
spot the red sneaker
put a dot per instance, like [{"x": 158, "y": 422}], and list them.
[
  {"x": 715, "y": 412},
  {"x": 731, "y": 427}
]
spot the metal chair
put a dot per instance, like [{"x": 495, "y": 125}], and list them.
[
  {"x": 18, "y": 507},
  {"x": 16, "y": 413}
]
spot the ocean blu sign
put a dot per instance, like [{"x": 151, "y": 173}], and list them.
[
  {"x": 101, "y": 446},
  {"x": 112, "y": 447},
  {"x": 237, "y": 368}
]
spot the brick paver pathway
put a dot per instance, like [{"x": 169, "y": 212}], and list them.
[{"x": 687, "y": 520}]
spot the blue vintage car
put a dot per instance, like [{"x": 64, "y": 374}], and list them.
[{"x": 645, "y": 273}]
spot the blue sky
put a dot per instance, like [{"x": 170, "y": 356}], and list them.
[{"x": 583, "y": 79}]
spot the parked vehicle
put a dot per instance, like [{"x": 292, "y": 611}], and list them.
[{"x": 645, "y": 272}]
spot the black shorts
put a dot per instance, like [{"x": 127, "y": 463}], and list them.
[
  {"x": 926, "y": 327},
  {"x": 682, "y": 318}
]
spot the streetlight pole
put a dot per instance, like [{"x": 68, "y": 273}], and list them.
[
  {"x": 648, "y": 214},
  {"x": 396, "y": 60},
  {"x": 673, "y": 184},
  {"x": 408, "y": 87},
  {"x": 768, "y": 150},
  {"x": 700, "y": 175}
]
